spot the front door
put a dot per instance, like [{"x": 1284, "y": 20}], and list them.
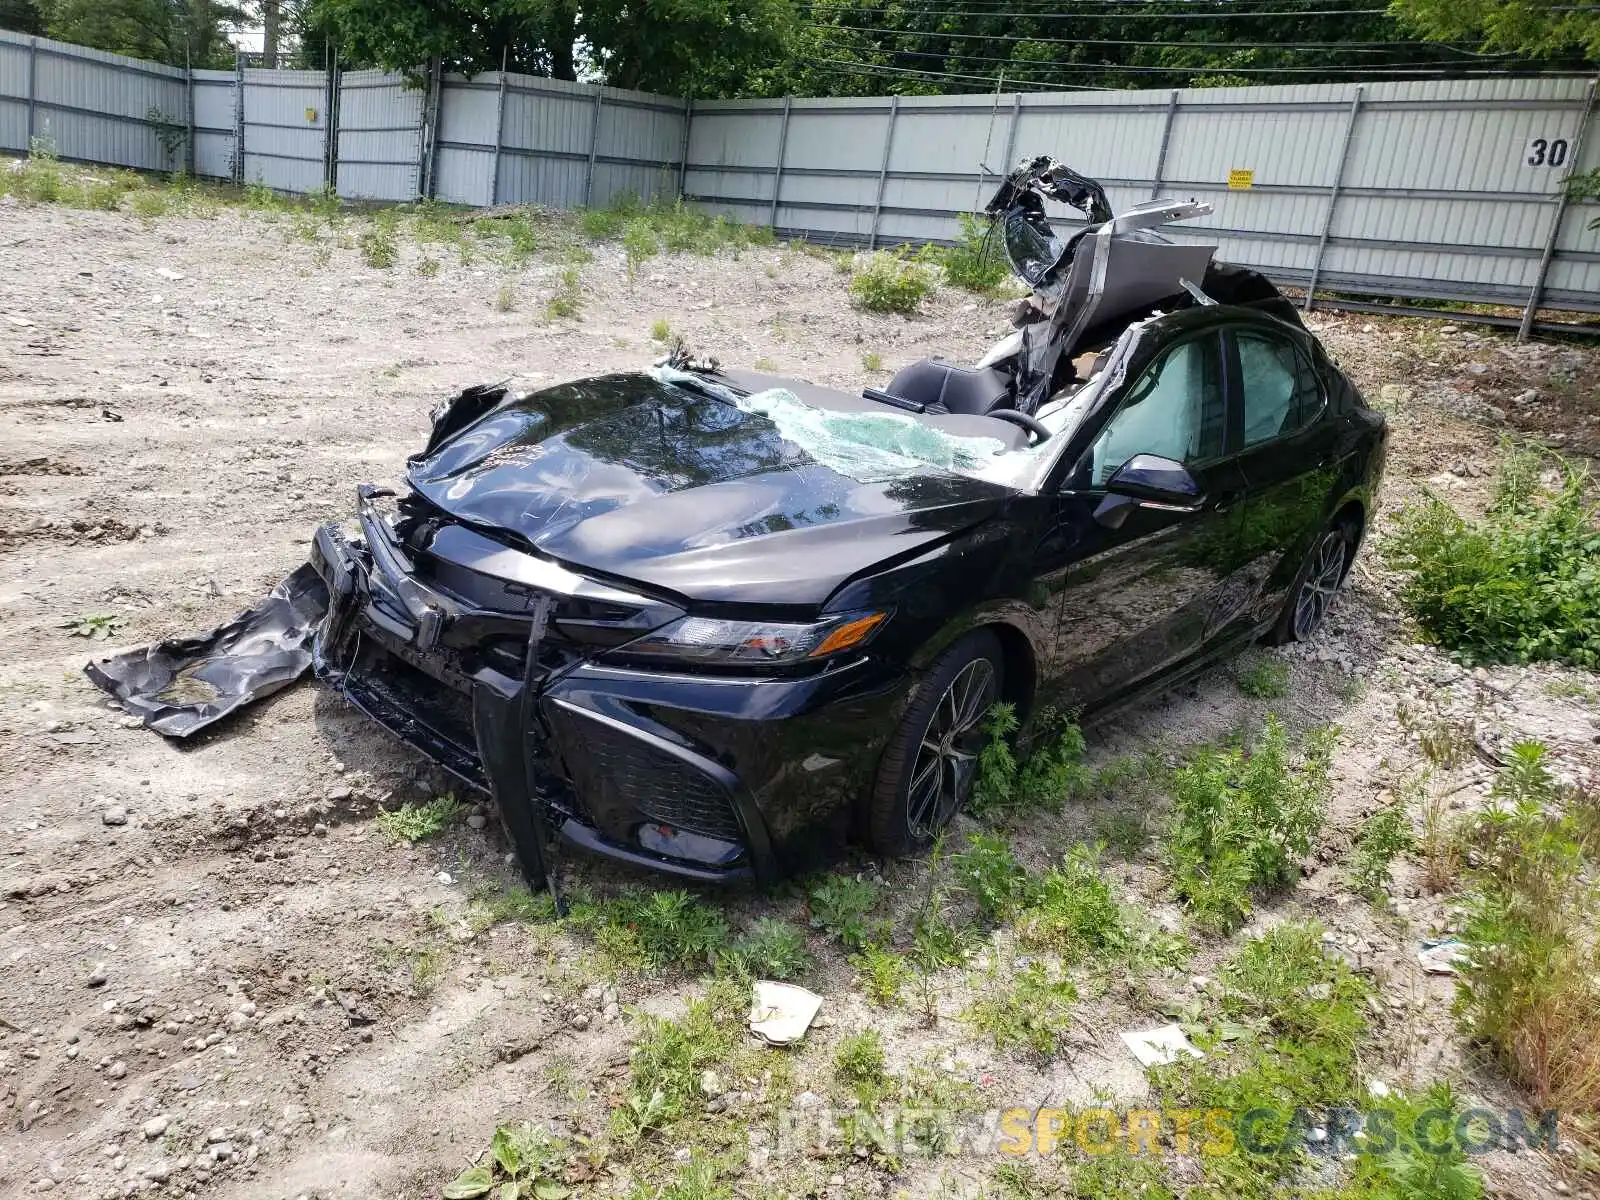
[{"x": 1137, "y": 597}]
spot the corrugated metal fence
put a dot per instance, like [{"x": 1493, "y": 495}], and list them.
[
  {"x": 1445, "y": 190},
  {"x": 493, "y": 139}
]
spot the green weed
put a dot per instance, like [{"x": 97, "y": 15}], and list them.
[
  {"x": 673, "y": 928},
  {"x": 887, "y": 282},
  {"x": 523, "y": 1161},
  {"x": 660, "y": 330},
  {"x": 840, "y": 905},
  {"x": 95, "y": 625},
  {"x": 1530, "y": 990},
  {"x": 1384, "y": 836},
  {"x": 567, "y": 300},
  {"x": 1030, "y": 1008},
  {"x": 991, "y": 875},
  {"x": 666, "y": 1062},
  {"x": 1263, "y": 678},
  {"x": 1074, "y": 912},
  {"x": 772, "y": 949},
  {"x": 413, "y": 822},
  {"x": 379, "y": 242},
  {"x": 1045, "y": 780},
  {"x": 872, "y": 361},
  {"x": 506, "y": 298},
  {"x": 1520, "y": 585},
  {"x": 639, "y": 245},
  {"x": 427, "y": 266},
  {"x": 883, "y": 974},
  {"x": 975, "y": 262},
  {"x": 1242, "y": 822},
  {"x": 859, "y": 1060}
]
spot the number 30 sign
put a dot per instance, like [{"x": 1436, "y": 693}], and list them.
[{"x": 1547, "y": 152}]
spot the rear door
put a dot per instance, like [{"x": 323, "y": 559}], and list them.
[
  {"x": 1137, "y": 597},
  {"x": 1288, "y": 453}
]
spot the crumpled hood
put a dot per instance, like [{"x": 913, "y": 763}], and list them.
[{"x": 629, "y": 476}]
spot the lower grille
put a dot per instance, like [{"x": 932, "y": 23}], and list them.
[
  {"x": 625, "y": 781},
  {"x": 420, "y": 710}
]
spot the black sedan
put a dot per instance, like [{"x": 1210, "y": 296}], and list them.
[{"x": 717, "y": 623}]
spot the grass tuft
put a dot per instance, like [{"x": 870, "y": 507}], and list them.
[
  {"x": 1243, "y": 821},
  {"x": 1520, "y": 585},
  {"x": 888, "y": 282},
  {"x": 416, "y": 822}
]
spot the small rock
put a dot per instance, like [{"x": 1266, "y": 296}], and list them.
[
  {"x": 710, "y": 1085},
  {"x": 115, "y": 814},
  {"x": 683, "y": 1154},
  {"x": 445, "y": 878},
  {"x": 580, "y": 1021},
  {"x": 221, "y": 1151},
  {"x": 117, "y": 1070},
  {"x": 476, "y": 821},
  {"x": 155, "y": 1127},
  {"x": 97, "y": 976}
]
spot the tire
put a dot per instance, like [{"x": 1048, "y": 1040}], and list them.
[
  {"x": 1315, "y": 586},
  {"x": 942, "y": 731}
]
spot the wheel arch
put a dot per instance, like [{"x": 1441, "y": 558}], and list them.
[{"x": 1019, "y": 656}]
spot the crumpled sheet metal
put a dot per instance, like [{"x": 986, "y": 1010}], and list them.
[{"x": 184, "y": 685}]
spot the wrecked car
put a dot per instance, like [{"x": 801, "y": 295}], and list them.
[{"x": 715, "y": 622}]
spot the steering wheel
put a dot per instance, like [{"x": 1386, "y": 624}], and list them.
[{"x": 1035, "y": 427}]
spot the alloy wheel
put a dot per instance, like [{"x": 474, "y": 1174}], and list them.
[
  {"x": 947, "y": 756},
  {"x": 1321, "y": 584}
]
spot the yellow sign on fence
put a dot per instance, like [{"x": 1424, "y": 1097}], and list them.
[{"x": 1241, "y": 180}]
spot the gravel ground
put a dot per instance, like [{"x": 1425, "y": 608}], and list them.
[{"x": 220, "y": 978}]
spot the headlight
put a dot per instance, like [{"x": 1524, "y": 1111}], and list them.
[{"x": 711, "y": 640}]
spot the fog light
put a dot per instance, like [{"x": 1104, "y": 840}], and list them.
[{"x": 687, "y": 845}]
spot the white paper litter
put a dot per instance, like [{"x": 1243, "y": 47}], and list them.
[
  {"x": 780, "y": 1013},
  {"x": 1158, "y": 1047},
  {"x": 1442, "y": 958},
  {"x": 169, "y": 273}
]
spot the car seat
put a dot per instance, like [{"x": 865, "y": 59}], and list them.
[{"x": 938, "y": 384}]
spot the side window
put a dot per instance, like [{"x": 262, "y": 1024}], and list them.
[
  {"x": 1281, "y": 393},
  {"x": 1174, "y": 410}
]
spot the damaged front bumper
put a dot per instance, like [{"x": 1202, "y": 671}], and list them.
[{"x": 487, "y": 659}]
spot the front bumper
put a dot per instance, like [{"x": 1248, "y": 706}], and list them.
[{"x": 713, "y": 779}]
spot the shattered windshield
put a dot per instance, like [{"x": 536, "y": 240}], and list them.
[{"x": 865, "y": 446}]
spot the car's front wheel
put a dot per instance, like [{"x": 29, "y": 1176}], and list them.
[
  {"x": 1315, "y": 586},
  {"x": 931, "y": 762}
]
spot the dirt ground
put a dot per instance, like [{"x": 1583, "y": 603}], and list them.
[{"x": 219, "y": 978}]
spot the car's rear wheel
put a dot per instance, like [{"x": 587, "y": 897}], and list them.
[
  {"x": 1315, "y": 586},
  {"x": 931, "y": 762}
]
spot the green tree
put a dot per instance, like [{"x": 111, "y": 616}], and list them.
[
  {"x": 21, "y": 15},
  {"x": 1537, "y": 28},
  {"x": 169, "y": 31}
]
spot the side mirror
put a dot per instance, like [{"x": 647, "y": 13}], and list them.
[{"x": 1148, "y": 481}]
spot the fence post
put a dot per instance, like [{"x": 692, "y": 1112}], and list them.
[
  {"x": 1537, "y": 291},
  {"x": 238, "y": 118},
  {"x": 33, "y": 88},
  {"x": 594, "y": 147},
  {"x": 1011, "y": 134},
  {"x": 1166, "y": 140},
  {"x": 430, "y": 149},
  {"x": 1333, "y": 196},
  {"x": 330, "y": 145},
  {"x": 777, "y": 171},
  {"x": 188, "y": 102},
  {"x": 683, "y": 155},
  {"x": 883, "y": 171},
  {"x": 499, "y": 135}
]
